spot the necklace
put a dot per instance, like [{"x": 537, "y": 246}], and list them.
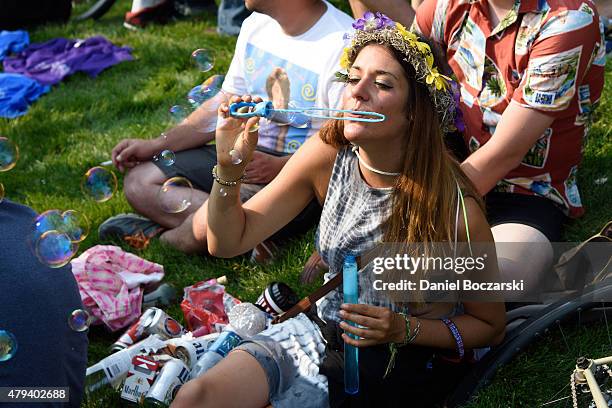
[{"x": 372, "y": 169}]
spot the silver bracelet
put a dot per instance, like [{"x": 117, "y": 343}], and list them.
[{"x": 230, "y": 183}]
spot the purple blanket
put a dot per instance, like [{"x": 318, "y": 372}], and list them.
[{"x": 52, "y": 61}]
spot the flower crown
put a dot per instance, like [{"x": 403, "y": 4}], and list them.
[{"x": 379, "y": 28}]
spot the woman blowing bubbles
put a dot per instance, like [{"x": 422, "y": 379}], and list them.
[{"x": 400, "y": 185}]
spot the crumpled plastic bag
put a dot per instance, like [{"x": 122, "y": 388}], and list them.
[
  {"x": 110, "y": 282},
  {"x": 205, "y": 306}
]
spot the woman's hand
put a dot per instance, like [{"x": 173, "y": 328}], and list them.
[
  {"x": 379, "y": 325},
  {"x": 237, "y": 134}
]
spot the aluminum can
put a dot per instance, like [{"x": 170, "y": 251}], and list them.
[
  {"x": 167, "y": 384},
  {"x": 190, "y": 350},
  {"x": 277, "y": 298},
  {"x": 134, "y": 333},
  {"x": 164, "y": 325},
  {"x": 152, "y": 321}
]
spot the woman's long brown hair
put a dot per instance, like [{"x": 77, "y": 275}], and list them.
[{"x": 425, "y": 194}]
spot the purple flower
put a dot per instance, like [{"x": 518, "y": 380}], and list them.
[
  {"x": 371, "y": 22},
  {"x": 459, "y": 123},
  {"x": 386, "y": 21}
]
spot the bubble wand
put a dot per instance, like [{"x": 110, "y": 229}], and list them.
[
  {"x": 351, "y": 353},
  {"x": 299, "y": 117}
]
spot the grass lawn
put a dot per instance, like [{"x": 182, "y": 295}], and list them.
[{"x": 77, "y": 124}]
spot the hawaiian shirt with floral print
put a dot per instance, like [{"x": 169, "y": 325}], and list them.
[{"x": 547, "y": 55}]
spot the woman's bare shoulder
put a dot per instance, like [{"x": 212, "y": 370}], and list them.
[
  {"x": 315, "y": 160},
  {"x": 479, "y": 228}
]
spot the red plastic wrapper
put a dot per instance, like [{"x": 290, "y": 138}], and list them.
[{"x": 205, "y": 306}]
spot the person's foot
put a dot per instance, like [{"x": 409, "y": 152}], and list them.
[
  {"x": 315, "y": 265},
  {"x": 134, "y": 229},
  {"x": 264, "y": 252},
  {"x": 152, "y": 11}
]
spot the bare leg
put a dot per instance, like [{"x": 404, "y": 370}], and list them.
[
  {"x": 190, "y": 236},
  {"x": 237, "y": 381},
  {"x": 141, "y": 187},
  {"x": 183, "y": 239},
  {"x": 529, "y": 257}
]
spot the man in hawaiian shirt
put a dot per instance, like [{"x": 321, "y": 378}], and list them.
[{"x": 530, "y": 74}]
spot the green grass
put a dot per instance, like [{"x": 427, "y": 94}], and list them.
[{"x": 76, "y": 125}]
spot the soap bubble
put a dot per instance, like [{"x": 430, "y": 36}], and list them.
[
  {"x": 206, "y": 91},
  {"x": 255, "y": 127},
  {"x": 47, "y": 221},
  {"x": 79, "y": 320},
  {"x": 295, "y": 119},
  {"x": 179, "y": 112},
  {"x": 55, "y": 249},
  {"x": 195, "y": 96},
  {"x": 9, "y": 154},
  {"x": 175, "y": 195},
  {"x": 99, "y": 184},
  {"x": 55, "y": 236},
  {"x": 8, "y": 345},
  {"x": 75, "y": 225},
  {"x": 204, "y": 59},
  {"x": 213, "y": 85},
  {"x": 235, "y": 156},
  {"x": 166, "y": 158}
]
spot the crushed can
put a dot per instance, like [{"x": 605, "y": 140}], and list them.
[{"x": 152, "y": 321}]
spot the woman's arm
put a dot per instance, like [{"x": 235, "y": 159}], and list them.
[
  {"x": 517, "y": 131},
  {"x": 234, "y": 228}
]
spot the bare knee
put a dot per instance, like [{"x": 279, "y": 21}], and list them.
[{"x": 141, "y": 182}]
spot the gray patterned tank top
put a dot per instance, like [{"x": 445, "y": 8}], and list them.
[{"x": 351, "y": 222}]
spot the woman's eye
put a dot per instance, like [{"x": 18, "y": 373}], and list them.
[
  {"x": 352, "y": 80},
  {"x": 383, "y": 85}
]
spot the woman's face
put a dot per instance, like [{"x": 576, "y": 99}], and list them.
[{"x": 376, "y": 83}]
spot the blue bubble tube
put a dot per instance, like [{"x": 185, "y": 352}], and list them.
[{"x": 351, "y": 353}]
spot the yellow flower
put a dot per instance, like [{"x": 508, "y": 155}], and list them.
[
  {"x": 423, "y": 47},
  {"x": 407, "y": 35},
  {"x": 429, "y": 59},
  {"x": 439, "y": 80},
  {"x": 344, "y": 60}
]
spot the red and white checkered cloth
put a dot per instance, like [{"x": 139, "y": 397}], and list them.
[{"x": 110, "y": 281}]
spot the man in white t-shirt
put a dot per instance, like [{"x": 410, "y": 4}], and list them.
[{"x": 287, "y": 52}]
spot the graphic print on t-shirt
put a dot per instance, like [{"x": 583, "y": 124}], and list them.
[{"x": 287, "y": 85}]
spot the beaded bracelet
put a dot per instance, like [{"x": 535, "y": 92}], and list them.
[
  {"x": 228, "y": 183},
  {"x": 457, "y": 335}
]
